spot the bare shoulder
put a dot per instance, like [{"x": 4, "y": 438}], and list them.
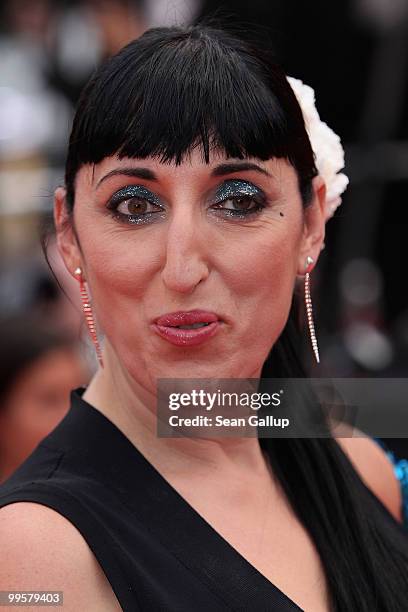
[
  {"x": 375, "y": 469},
  {"x": 44, "y": 551}
]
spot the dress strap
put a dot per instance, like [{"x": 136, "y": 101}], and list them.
[{"x": 401, "y": 473}]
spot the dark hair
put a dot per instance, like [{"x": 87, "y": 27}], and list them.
[
  {"x": 177, "y": 88},
  {"x": 174, "y": 88}
]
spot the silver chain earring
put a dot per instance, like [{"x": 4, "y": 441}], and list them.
[
  {"x": 87, "y": 308},
  {"x": 309, "y": 308}
]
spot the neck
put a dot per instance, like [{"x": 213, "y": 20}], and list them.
[{"x": 132, "y": 408}]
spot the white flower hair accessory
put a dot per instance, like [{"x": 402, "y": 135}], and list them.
[{"x": 326, "y": 146}]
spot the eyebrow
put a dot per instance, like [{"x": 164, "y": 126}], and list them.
[
  {"x": 230, "y": 168},
  {"x": 143, "y": 173},
  {"x": 220, "y": 170}
]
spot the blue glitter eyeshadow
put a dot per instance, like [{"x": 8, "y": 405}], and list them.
[
  {"x": 237, "y": 188},
  {"x": 134, "y": 191}
]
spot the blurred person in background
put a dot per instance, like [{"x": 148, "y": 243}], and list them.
[
  {"x": 39, "y": 366},
  {"x": 33, "y": 114},
  {"x": 86, "y": 33},
  {"x": 119, "y": 21}
]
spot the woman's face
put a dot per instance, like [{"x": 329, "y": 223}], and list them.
[
  {"x": 227, "y": 237},
  {"x": 37, "y": 401}
]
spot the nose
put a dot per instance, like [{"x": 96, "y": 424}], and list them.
[{"x": 186, "y": 252}]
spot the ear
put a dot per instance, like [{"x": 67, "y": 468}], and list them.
[
  {"x": 314, "y": 226},
  {"x": 67, "y": 242}
]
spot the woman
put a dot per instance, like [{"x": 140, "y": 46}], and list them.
[{"x": 191, "y": 186}]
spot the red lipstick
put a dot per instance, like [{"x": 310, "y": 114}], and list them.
[{"x": 205, "y": 325}]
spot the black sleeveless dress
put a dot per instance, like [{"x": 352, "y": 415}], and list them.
[{"x": 157, "y": 552}]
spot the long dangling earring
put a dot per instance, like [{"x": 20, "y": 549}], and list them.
[
  {"x": 87, "y": 308},
  {"x": 308, "y": 301}
]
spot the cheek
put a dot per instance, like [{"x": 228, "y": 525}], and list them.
[
  {"x": 261, "y": 279},
  {"x": 120, "y": 268},
  {"x": 119, "y": 258},
  {"x": 263, "y": 266},
  {"x": 267, "y": 309}
]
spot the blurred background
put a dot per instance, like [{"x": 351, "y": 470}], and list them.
[{"x": 354, "y": 53}]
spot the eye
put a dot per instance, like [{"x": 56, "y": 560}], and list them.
[
  {"x": 135, "y": 206},
  {"x": 240, "y": 204},
  {"x": 239, "y": 199}
]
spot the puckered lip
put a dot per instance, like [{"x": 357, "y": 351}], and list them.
[{"x": 183, "y": 317}]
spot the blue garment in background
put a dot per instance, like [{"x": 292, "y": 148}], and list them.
[{"x": 401, "y": 472}]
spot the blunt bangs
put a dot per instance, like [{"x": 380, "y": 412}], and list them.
[{"x": 174, "y": 89}]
